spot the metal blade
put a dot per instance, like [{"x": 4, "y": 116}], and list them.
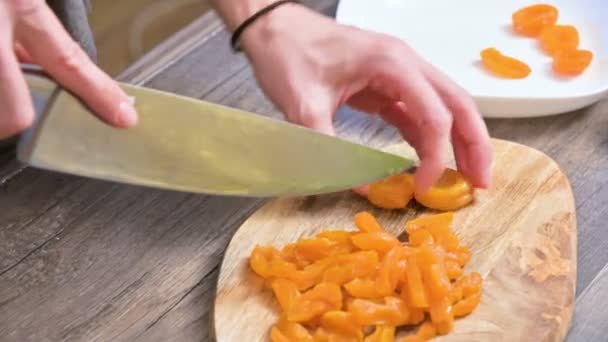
[{"x": 195, "y": 146}]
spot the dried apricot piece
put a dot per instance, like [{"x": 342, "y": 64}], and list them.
[
  {"x": 350, "y": 266},
  {"x": 453, "y": 269},
  {"x": 390, "y": 271},
  {"x": 503, "y": 66},
  {"x": 558, "y": 37},
  {"x": 382, "y": 333},
  {"x": 470, "y": 284},
  {"x": 367, "y": 223},
  {"x": 288, "y": 331},
  {"x": 394, "y": 311},
  {"x": 467, "y": 305},
  {"x": 571, "y": 63},
  {"x": 452, "y": 191},
  {"x": 285, "y": 291},
  {"x": 461, "y": 255},
  {"x": 362, "y": 288},
  {"x": 341, "y": 323},
  {"x": 316, "y": 301},
  {"x": 260, "y": 260},
  {"x": 425, "y": 332},
  {"x": 438, "y": 226},
  {"x": 380, "y": 242},
  {"x": 394, "y": 192},
  {"x": 530, "y": 20},
  {"x": 416, "y": 293},
  {"x": 419, "y": 236},
  {"x": 314, "y": 249}
]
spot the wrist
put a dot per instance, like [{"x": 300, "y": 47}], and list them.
[
  {"x": 235, "y": 12},
  {"x": 260, "y": 30}
]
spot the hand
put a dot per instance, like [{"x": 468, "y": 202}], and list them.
[
  {"x": 309, "y": 66},
  {"x": 31, "y": 33}
]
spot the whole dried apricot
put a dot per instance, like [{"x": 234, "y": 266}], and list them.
[
  {"x": 530, "y": 20},
  {"x": 571, "y": 63},
  {"x": 559, "y": 37},
  {"x": 504, "y": 66}
]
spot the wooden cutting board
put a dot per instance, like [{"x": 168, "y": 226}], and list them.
[{"x": 521, "y": 232}]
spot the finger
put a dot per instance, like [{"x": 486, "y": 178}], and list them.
[
  {"x": 22, "y": 54},
  {"x": 362, "y": 190},
  {"x": 397, "y": 115},
  {"x": 17, "y": 112},
  {"x": 368, "y": 101},
  {"x": 470, "y": 137},
  {"x": 51, "y": 47},
  {"x": 432, "y": 117}
]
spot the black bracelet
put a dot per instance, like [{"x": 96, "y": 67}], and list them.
[{"x": 239, "y": 30}]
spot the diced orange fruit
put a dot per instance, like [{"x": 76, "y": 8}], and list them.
[{"x": 335, "y": 285}]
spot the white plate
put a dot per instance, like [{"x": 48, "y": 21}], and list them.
[{"x": 450, "y": 34}]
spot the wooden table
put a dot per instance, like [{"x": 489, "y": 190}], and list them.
[{"x": 86, "y": 260}]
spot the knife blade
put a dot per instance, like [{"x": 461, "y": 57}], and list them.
[{"x": 190, "y": 145}]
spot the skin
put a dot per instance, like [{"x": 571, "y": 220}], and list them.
[{"x": 307, "y": 65}]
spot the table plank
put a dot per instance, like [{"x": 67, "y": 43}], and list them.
[{"x": 589, "y": 322}]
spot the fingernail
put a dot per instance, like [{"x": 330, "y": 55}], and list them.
[{"x": 129, "y": 114}]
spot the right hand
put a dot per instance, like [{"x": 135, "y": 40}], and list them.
[{"x": 30, "y": 32}]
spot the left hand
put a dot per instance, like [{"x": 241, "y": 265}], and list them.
[{"x": 309, "y": 66}]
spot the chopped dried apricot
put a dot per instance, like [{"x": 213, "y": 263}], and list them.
[
  {"x": 503, "y": 66},
  {"x": 341, "y": 323},
  {"x": 467, "y": 305},
  {"x": 334, "y": 286},
  {"x": 571, "y": 62},
  {"x": 394, "y": 192},
  {"x": 530, "y": 20},
  {"x": 382, "y": 333},
  {"x": 367, "y": 223},
  {"x": 380, "y": 242},
  {"x": 394, "y": 311},
  {"x": 425, "y": 332},
  {"x": 288, "y": 331},
  {"x": 316, "y": 301},
  {"x": 362, "y": 288},
  {"x": 559, "y": 37}
]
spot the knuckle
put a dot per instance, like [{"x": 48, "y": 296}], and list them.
[
  {"x": 464, "y": 103},
  {"x": 71, "y": 58},
  {"x": 437, "y": 125},
  {"x": 26, "y": 7}
]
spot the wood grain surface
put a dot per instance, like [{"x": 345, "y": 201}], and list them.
[
  {"x": 83, "y": 260},
  {"x": 521, "y": 233}
]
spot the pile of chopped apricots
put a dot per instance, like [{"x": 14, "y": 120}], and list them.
[
  {"x": 365, "y": 284},
  {"x": 561, "y": 42}
]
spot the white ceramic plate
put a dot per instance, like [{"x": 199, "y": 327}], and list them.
[{"x": 450, "y": 34}]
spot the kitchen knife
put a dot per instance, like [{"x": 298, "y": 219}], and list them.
[{"x": 195, "y": 146}]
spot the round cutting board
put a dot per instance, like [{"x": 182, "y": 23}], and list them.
[{"x": 521, "y": 233}]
